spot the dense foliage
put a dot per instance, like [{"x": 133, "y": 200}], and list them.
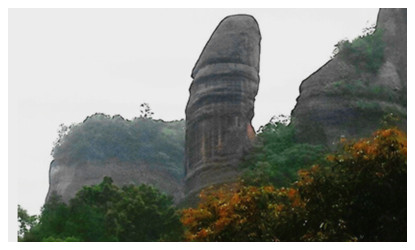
[
  {"x": 26, "y": 221},
  {"x": 243, "y": 213},
  {"x": 365, "y": 52},
  {"x": 143, "y": 140},
  {"x": 277, "y": 157},
  {"x": 105, "y": 212},
  {"x": 362, "y": 195},
  {"x": 362, "y": 88},
  {"x": 358, "y": 195}
]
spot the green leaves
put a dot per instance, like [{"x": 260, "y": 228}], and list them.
[
  {"x": 365, "y": 52},
  {"x": 361, "y": 193},
  {"x": 105, "y": 212},
  {"x": 277, "y": 157},
  {"x": 144, "y": 214},
  {"x": 26, "y": 221},
  {"x": 142, "y": 140}
]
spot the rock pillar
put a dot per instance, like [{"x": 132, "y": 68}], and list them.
[{"x": 221, "y": 103}]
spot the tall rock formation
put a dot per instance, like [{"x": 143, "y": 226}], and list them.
[
  {"x": 350, "y": 94},
  {"x": 221, "y": 103}
]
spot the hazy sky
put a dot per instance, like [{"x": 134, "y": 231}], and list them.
[{"x": 66, "y": 64}]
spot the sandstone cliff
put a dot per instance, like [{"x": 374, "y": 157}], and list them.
[
  {"x": 350, "y": 94},
  {"x": 141, "y": 151},
  {"x": 221, "y": 103}
]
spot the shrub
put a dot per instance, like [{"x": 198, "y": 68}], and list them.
[{"x": 365, "y": 52}]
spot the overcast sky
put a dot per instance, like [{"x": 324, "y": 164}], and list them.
[{"x": 66, "y": 64}]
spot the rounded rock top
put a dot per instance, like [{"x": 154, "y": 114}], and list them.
[{"x": 235, "y": 40}]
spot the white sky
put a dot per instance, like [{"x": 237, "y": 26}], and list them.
[{"x": 66, "y": 64}]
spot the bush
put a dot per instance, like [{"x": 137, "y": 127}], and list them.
[{"x": 365, "y": 52}]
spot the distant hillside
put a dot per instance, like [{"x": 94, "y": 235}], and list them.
[{"x": 130, "y": 151}]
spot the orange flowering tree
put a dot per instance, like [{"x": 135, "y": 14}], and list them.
[
  {"x": 359, "y": 195},
  {"x": 242, "y": 213}
]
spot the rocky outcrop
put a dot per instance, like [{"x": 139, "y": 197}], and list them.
[
  {"x": 221, "y": 103},
  {"x": 138, "y": 151},
  {"x": 350, "y": 94},
  {"x": 67, "y": 180}
]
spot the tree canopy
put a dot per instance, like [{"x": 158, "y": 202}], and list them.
[
  {"x": 277, "y": 156},
  {"x": 105, "y": 212},
  {"x": 359, "y": 194}
]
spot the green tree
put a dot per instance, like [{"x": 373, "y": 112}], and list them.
[
  {"x": 105, "y": 212},
  {"x": 26, "y": 222},
  {"x": 67, "y": 239},
  {"x": 277, "y": 156},
  {"x": 145, "y": 111},
  {"x": 52, "y": 220},
  {"x": 144, "y": 214}
]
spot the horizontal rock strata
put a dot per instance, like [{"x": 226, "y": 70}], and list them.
[
  {"x": 66, "y": 181},
  {"x": 221, "y": 103}
]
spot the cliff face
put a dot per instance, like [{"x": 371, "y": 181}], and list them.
[
  {"x": 221, "y": 103},
  {"x": 67, "y": 180},
  {"x": 366, "y": 80},
  {"x": 141, "y": 151}
]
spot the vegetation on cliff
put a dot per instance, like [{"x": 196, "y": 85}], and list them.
[
  {"x": 364, "y": 81},
  {"x": 365, "y": 52},
  {"x": 141, "y": 140}
]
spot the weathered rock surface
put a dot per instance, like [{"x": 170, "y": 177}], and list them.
[
  {"x": 67, "y": 180},
  {"x": 221, "y": 103},
  {"x": 341, "y": 100},
  {"x": 140, "y": 151}
]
